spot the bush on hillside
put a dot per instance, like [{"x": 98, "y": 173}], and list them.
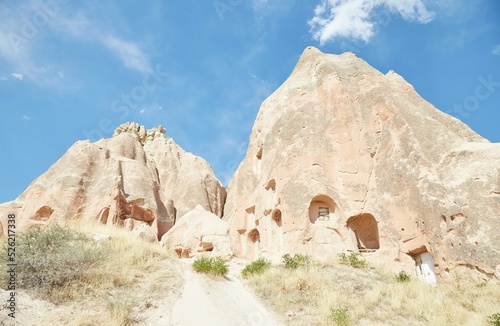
[
  {"x": 293, "y": 262},
  {"x": 52, "y": 256},
  {"x": 214, "y": 266},
  {"x": 256, "y": 267}
]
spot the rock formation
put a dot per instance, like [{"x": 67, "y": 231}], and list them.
[
  {"x": 344, "y": 158},
  {"x": 196, "y": 232},
  {"x": 341, "y": 158},
  {"x": 137, "y": 178}
]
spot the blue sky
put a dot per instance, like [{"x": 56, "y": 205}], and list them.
[{"x": 76, "y": 70}]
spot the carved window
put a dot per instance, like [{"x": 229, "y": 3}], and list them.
[{"x": 323, "y": 213}]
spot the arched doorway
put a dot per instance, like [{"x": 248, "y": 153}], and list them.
[{"x": 365, "y": 228}]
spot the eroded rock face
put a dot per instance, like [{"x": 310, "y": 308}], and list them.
[
  {"x": 121, "y": 180},
  {"x": 197, "y": 232},
  {"x": 189, "y": 178},
  {"x": 342, "y": 157}
]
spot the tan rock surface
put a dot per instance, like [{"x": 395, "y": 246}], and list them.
[
  {"x": 119, "y": 179},
  {"x": 342, "y": 157},
  {"x": 188, "y": 179},
  {"x": 198, "y": 231}
]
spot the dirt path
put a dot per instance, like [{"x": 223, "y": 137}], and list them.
[
  {"x": 201, "y": 301},
  {"x": 212, "y": 301}
]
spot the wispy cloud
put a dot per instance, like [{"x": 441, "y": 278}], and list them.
[
  {"x": 23, "y": 27},
  {"x": 496, "y": 50},
  {"x": 17, "y": 75},
  {"x": 14, "y": 47},
  {"x": 26, "y": 117},
  {"x": 129, "y": 53},
  {"x": 21, "y": 39},
  {"x": 355, "y": 19}
]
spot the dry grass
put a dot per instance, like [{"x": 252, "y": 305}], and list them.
[
  {"x": 117, "y": 289},
  {"x": 315, "y": 294}
]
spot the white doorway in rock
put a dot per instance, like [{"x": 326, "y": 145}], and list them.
[{"x": 425, "y": 268}]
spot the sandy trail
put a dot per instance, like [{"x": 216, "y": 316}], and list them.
[{"x": 213, "y": 301}]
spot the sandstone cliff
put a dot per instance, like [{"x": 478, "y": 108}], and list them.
[
  {"x": 344, "y": 158},
  {"x": 137, "y": 178}
]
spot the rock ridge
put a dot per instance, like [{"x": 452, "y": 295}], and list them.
[{"x": 138, "y": 179}]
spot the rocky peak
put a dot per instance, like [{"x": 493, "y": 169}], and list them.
[
  {"x": 140, "y": 132},
  {"x": 141, "y": 184},
  {"x": 344, "y": 158}
]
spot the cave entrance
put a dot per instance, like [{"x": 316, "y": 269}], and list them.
[
  {"x": 277, "y": 217},
  {"x": 365, "y": 228}
]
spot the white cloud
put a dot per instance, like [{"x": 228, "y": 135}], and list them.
[
  {"x": 21, "y": 51},
  {"x": 17, "y": 75},
  {"x": 356, "y": 19},
  {"x": 142, "y": 111},
  {"x": 130, "y": 53},
  {"x": 496, "y": 50},
  {"x": 26, "y": 117},
  {"x": 14, "y": 46}
]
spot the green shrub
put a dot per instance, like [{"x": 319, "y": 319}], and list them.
[
  {"x": 256, "y": 267},
  {"x": 353, "y": 260},
  {"x": 403, "y": 277},
  {"x": 295, "y": 261},
  {"x": 340, "y": 316},
  {"x": 215, "y": 266},
  {"x": 494, "y": 319},
  {"x": 52, "y": 256}
]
